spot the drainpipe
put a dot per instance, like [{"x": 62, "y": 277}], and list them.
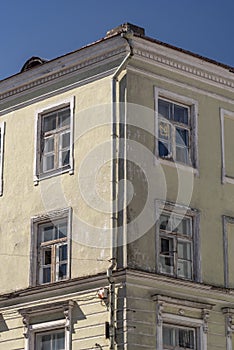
[
  {"x": 128, "y": 36},
  {"x": 112, "y": 303}
]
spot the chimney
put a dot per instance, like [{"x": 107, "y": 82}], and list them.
[{"x": 126, "y": 28}]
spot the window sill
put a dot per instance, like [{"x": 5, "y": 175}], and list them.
[
  {"x": 51, "y": 174},
  {"x": 179, "y": 166}
]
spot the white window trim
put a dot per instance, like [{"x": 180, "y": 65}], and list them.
[
  {"x": 228, "y": 114},
  {"x": 226, "y": 220},
  {"x": 200, "y": 324},
  {"x": 2, "y": 131},
  {"x": 37, "y": 132},
  {"x": 30, "y": 330},
  {"x": 195, "y": 215},
  {"x": 35, "y": 222},
  {"x": 193, "y": 104}
]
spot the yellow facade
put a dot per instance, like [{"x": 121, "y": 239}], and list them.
[{"x": 146, "y": 258}]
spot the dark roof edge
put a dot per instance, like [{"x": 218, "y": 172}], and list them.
[
  {"x": 137, "y": 32},
  {"x": 187, "y": 52}
]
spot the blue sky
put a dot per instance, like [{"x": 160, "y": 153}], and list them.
[{"x": 51, "y": 28}]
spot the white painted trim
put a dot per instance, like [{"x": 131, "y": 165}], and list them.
[
  {"x": 224, "y": 114},
  {"x": 35, "y": 222},
  {"x": 226, "y": 220},
  {"x": 193, "y": 104},
  {"x": 57, "y": 91},
  {"x": 37, "y": 133},
  {"x": 31, "y": 329},
  {"x": 179, "y": 84},
  {"x": 2, "y": 131},
  {"x": 161, "y": 206},
  {"x": 199, "y": 324},
  {"x": 185, "y": 64}
]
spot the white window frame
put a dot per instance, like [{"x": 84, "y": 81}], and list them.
[
  {"x": 31, "y": 329},
  {"x": 169, "y": 207},
  {"x": 224, "y": 114},
  {"x": 178, "y": 319},
  {"x": 193, "y": 109},
  {"x": 38, "y": 220},
  {"x": 38, "y": 175},
  {"x": 2, "y": 132},
  {"x": 226, "y": 220}
]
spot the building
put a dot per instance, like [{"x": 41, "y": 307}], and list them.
[{"x": 117, "y": 199}]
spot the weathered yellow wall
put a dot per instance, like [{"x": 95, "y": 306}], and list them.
[
  {"x": 209, "y": 195},
  {"x": 22, "y": 200}
]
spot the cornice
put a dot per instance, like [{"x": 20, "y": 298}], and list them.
[
  {"x": 61, "y": 68},
  {"x": 183, "y": 63}
]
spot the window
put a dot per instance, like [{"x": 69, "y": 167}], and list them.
[
  {"x": 48, "y": 326},
  {"x": 181, "y": 324},
  {"x": 178, "y": 242},
  {"x": 176, "y": 128},
  {"x": 2, "y": 134},
  {"x": 228, "y": 245},
  {"x": 50, "y": 340},
  {"x": 227, "y": 143},
  {"x": 176, "y": 245},
  {"x": 54, "y": 149},
  {"x": 51, "y": 247},
  {"x": 178, "y": 338}
]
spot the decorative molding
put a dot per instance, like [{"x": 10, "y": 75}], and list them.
[
  {"x": 184, "y": 67},
  {"x": 61, "y": 73},
  {"x": 205, "y": 316},
  {"x": 189, "y": 304},
  {"x": 178, "y": 84}
]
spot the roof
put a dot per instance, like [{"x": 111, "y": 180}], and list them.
[{"x": 137, "y": 31}]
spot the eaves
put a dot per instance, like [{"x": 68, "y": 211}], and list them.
[
  {"x": 97, "y": 54},
  {"x": 154, "y": 52}
]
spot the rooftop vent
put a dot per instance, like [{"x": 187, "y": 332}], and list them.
[
  {"x": 32, "y": 62},
  {"x": 126, "y": 27}
]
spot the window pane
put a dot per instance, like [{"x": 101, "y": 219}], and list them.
[
  {"x": 48, "y": 233},
  {"x": 59, "y": 343},
  {"x": 61, "y": 230},
  {"x": 64, "y": 117},
  {"x": 65, "y": 158},
  {"x": 49, "y": 123},
  {"x": 181, "y": 225},
  {"x": 168, "y": 336},
  {"x": 166, "y": 265},
  {"x": 182, "y": 137},
  {"x": 48, "y": 145},
  {"x": 166, "y": 256},
  {"x": 65, "y": 140},
  {"x": 180, "y": 114},
  {"x": 47, "y": 256},
  {"x": 184, "y": 250},
  {"x": 48, "y": 162},
  {"x": 164, "y": 222},
  {"x": 62, "y": 271},
  {"x": 45, "y": 342},
  {"x": 53, "y": 341},
  {"x": 46, "y": 274},
  {"x": 184, "y": 269},
  {"x": 164, "y": 131},
  {"x": 164, "y": 109},
  {"x": 182, "y": 155},
  {"x": 186, "y": 338},
  {"x": 163, "y": 149},
  {"x": 63, "y": 252},
  {"x": 166, "y": 246}
]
